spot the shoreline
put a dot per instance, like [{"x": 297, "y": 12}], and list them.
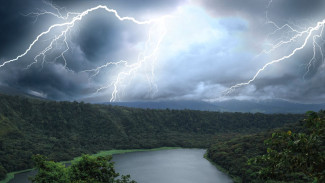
[
  {"x": 236, "y": 179},
  {"x": 11, "y": 175}
]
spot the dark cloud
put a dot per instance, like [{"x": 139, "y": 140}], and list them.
[
  {"x": 13, "y": 26},
  {"x": 54, "y": 81},
  {"x": 293, "y": 88},
  {"x": 210, "y": 45},
  {"x": 126, "y": 7},
  {"x": 296, "y": 9},
  {"x": 98, "y": 36}
]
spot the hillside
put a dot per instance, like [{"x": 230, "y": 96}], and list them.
[
  {"x": 63, "y": 130},
  {"x": 292, "y": 153}
]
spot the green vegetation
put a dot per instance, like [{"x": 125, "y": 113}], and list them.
[
  {"x": 64, "y": 130},
  {"x": 275, "y": 156},
  {"x": 100, "y": 153},
  {"x": 233, "y": 152},
  {"x": 298, "y": 157},
  {"x": 87, "y": 169},
  {"x": 11, "y": 175},
  {"x": 3, "y": 172}
]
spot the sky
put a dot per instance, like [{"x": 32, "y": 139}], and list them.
[{"x": 190, "y": 50}]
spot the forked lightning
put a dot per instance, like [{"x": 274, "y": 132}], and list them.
[{"x": 70, "y": 20}]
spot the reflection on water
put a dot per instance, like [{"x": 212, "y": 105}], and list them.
[{"x": 164, "y": 166}]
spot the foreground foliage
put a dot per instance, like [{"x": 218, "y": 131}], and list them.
[
  {"x": 64, "y": 130},
  {"x": 87, "y": 170},
  {"x": 3, "y": 172},
  {"x": 294, "y": 153},
  {"x": 296, "y": 156}
]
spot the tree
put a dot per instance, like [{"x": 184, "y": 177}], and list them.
[
  {"x": 296, "y": 156},
  {"x": 87, "y": 170},
  {"x": 96, "y": 169},
  {"x": 3, "y": 172},
  {"x": 49, "y": 171}
]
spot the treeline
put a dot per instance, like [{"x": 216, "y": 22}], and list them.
[
  {"x": 293, "y": 153},
  {"x": 63, "y": 130}
]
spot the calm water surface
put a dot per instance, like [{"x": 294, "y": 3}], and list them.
[{"x": 164, "y": 166}]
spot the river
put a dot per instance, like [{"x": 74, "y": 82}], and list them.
[{"x": 163, "y": 166}]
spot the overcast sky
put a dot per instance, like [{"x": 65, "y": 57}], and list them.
[{"x": 197, "y": 53}]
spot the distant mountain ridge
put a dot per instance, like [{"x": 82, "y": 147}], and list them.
[
  {"x": 176, "y": 105},
  {"x": 252, "y": 106},
  {"x": 269, "y": 106}
]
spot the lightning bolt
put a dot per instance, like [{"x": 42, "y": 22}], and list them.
[
  {"x": 312, "y": 33},
  {"x": 149, "y": 54},
  {"x": 58, "y": 13},
  {"x": 70, "y": 19},
  {"x": 68, "y": 25}
]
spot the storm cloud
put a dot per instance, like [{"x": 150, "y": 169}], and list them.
[{"x": 209, "y": 46}]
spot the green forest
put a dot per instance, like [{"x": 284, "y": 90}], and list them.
[
  {"x": 64, "y": 130},
  {"x": 294, "y": 153}
]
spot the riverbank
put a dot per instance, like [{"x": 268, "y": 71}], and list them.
[
  {"x": 11, "y": 175},
  {"x": 236, "y": 179}
]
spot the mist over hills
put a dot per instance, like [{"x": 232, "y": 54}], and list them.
[
  {"x": 268, "y": 106},
  {"x": 176, "y": 105},
  {"x": 252, "y": 106}
]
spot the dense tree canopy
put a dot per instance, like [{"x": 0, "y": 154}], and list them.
[
  {"x": 294, "y": 153},
  {"x": 87, "y": 170},
  {"x": 3, "y": 172},
  {"x": 296, "y": 156},
  {"x": 64, "y": 130}
]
